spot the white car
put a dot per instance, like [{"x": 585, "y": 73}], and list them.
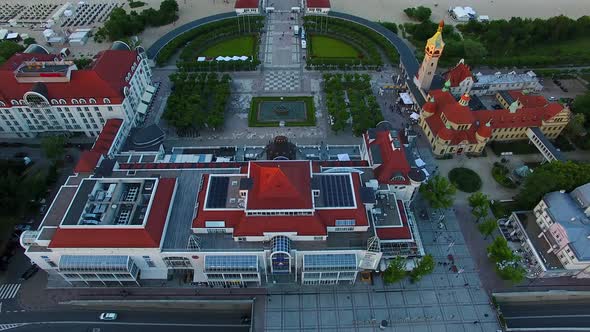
[{"x": 108, "y": 316}]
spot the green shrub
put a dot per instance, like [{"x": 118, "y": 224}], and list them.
[
  {"x": 465, "y": 179},
  {"x": 500, "y": 174}
]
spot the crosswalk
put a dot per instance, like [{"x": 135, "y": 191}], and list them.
[
  {"x": 9, "y": 291},
  {"x": 4, "y": 327}
]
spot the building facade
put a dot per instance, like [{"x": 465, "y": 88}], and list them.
[
  {"x": 247, "y": 7},
  {"x": 41, "y": 93},
  {"x": 131, "y": 218},
  {"x": 555, "y": 236},
  {"x": 463, "y": 81},
  {"x": 454, "y": 127},
  {"x": 316, "y": 7}
]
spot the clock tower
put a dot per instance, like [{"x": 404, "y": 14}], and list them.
[{"x": 432, "y": 51}]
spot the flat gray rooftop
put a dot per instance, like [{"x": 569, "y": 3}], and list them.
[
  {"x": 527, "y": 219},
  {"x": 59, "y": 206},
  {"x": 386, "y": 211}
]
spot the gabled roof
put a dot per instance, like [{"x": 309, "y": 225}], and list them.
[
  {"x": 246, "y": 4},
  {"x": 89, "y": 159},
  {"x": 122, "y": 237},
  {"x": 318, "y": 3},
  {"x": 528, "y": 101},
  {"x": 450, "y": 107},
  {"x": 280, "y": 185},
  {"x": 458, "y": 74},
  {"x": 393, "y": 160}
]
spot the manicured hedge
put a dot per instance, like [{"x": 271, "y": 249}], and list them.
[
  {"x": 500, "y": 174},
  {"x": 465, "y": 179}
]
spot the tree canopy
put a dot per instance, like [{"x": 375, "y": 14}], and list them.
[
  {"x": 439, "y": 192},
  {"x": 507, "y": 262},
  {"x": 122, "y": 24},
  {"x": 53, "y": 147},
  {"x": 424, "y": 267},
  {"x": 7, "y": 49},
  {"x": 499, "y": 251},
  {"x": 550, "y": 177},
  {"x": 487, "y": 227},
  {"x": 419, "y": 13},
  {"x": 396, "y": 270},
  {"x": 480, "y": 204}
]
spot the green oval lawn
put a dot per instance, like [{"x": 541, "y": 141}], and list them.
[
  {"x": 243, "y": 45},
  {"x": 327, "y": 47}
]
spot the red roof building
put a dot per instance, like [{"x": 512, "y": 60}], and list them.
[
  {"x": 458, "y": 74},
  {"x": 74, "y": 100},
  {"x": 317, "y": 6},
  {"x": 247, "y": 4},
  {"x": 453, "y": 127},
  {"x": 148, "y": 235},
  {"x": 102, "y": 146}
]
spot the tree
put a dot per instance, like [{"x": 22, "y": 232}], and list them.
[
  {"x": 53, "y": 147},
  {"x": 576, "y": 125},
  {"x": 499, "y": 251},
  {"x": 550, "y": 177},
  {"x": 487, "y": 227},
  {"x": 424, "y": 267},
  {"x": 439, "y": 192},
  {"x": 419, "y": 13},
  {"x": 511, "y": 271},
  {"x": 474, "y": 50},
  {"x": 7, "y": 49},
  {"x": 480, "y": 204},
  {"x": 396, "y": 270},
  {"x": 29, "y": 40},
  {"x": 581, "y": 104}
]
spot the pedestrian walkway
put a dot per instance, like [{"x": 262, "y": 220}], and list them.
[
  {"x": 9, "y": 291},
  {"x": 4, "y": 327},
  {"x": 282, "y": 80}
]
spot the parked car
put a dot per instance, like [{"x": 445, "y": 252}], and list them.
[
  {"x": 108, "y": 316},
  {"x": 29, "y": 272}
]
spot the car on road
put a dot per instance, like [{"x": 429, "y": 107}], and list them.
[
  {"x": 108, "y": 316},
  {"x": 29, "y": 272}
]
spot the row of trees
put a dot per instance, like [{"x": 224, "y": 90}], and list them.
[
  {"x": 197, "y": 39},
  {"x": 197, "y": 101},
  {"x": 579, "y": 125},
  {"x": 370, "y": 42},
  {"x": 122, "y": 24},
  {"x": 419, "y": 13},
  {"x": 361, "y": 108},
  {"x": 396, "y": 270}
]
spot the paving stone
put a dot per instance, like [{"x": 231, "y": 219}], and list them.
[
  {"x": 291, "y": 301},
  {"x": 412, "y": 297},
  {"x": 309, "y": 301},
  {"x": 328, "y": 318},
  {"x": 309, "y": 319},
  {"x": 291, "y": 319},
  {"x": 327, "y": 300}
]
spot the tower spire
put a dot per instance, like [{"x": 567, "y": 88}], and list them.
[{"x": 432, "y": 51}]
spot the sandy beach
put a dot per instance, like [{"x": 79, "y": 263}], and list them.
[{"x": 384, "y": 10}]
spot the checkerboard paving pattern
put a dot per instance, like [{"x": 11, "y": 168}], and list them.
[{"x": 282, "y": 80}]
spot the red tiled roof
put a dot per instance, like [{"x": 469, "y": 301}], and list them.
[
  {"x": 105, "y": 79},
  {"x": 484, "y": 131},
  {"x": 302, "y": 225},
  {"x": 102, "y": 145},
  {"x": 528, "y": 101},
  {"x": 394, "y": 160},
  {"x": 318, "y": 3},
  {"x": 459, "y": 73},
  {"x": 121, "y": 237},
  {"x": 280, "y": 185},
  {"x": 246, "y": 4},
  {"x": 396, "y": 233},
  {"x": 453, "y": 111},
  {"x": 439, "y": 129},
  {"x": 88, "y": 161}
]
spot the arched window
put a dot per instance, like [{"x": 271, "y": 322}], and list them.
[
  {"x": 62, "y": 101},
  {"x": 74, "y": 101},
  {"x": 92, "y": 100},
  {"x": 14, "y": 102},
  {"x": 106, "y": 100},
  {"x": 126, "y": 91},
  {"x": 82, "y": 101},
  {"x": 21, "y": 102},
  {"x": 53, "y": 101},
  {"x": 2, "y": 104}
]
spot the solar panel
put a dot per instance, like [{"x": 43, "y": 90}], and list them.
[
  {"x": 217, "y": 192},
  {"x": 336, "y": 190}
]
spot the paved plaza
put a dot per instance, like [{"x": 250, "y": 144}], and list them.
[
  {"x": 443, "y": 301},
  {"x": 282, "y": 80}
]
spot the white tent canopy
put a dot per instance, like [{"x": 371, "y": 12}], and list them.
[
  {"x": 420, "y": 162},
  {"x": 48, "y": 33},
  {"x": 406, "y": 98},
  {"x": 415, "y": 116},
  {"x": 343, "y": 157}
]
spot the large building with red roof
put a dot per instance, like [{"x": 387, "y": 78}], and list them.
[
  {"x": 135, "y": 217},
  {"x": 317, "y": 7},
  {"x": 456, "y": 126},
  {"x": 247, "y": 7},
  {"x": 44, "y": 93}
]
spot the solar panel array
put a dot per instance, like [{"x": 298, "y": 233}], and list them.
[
  {"x": 329, "y": 262},
  {"x": 228, "y": 263},
  {"x": 336, "y": 190},
  {"x": 217, "y": 195}
]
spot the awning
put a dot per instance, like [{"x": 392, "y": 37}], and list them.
[
  {"x": 415, "y": 116},
  {"x": 406, "y": 98},
  {"x": 150, "y": 89},
  {"x": 343, "y": 157},
  {"x": 147, "y": 97},
  {"x": 142, "y": 108}
]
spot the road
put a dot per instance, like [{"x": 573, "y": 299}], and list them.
[
  {"x": 541, "y": 316},
  {"x": 144, "y": 319}
]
